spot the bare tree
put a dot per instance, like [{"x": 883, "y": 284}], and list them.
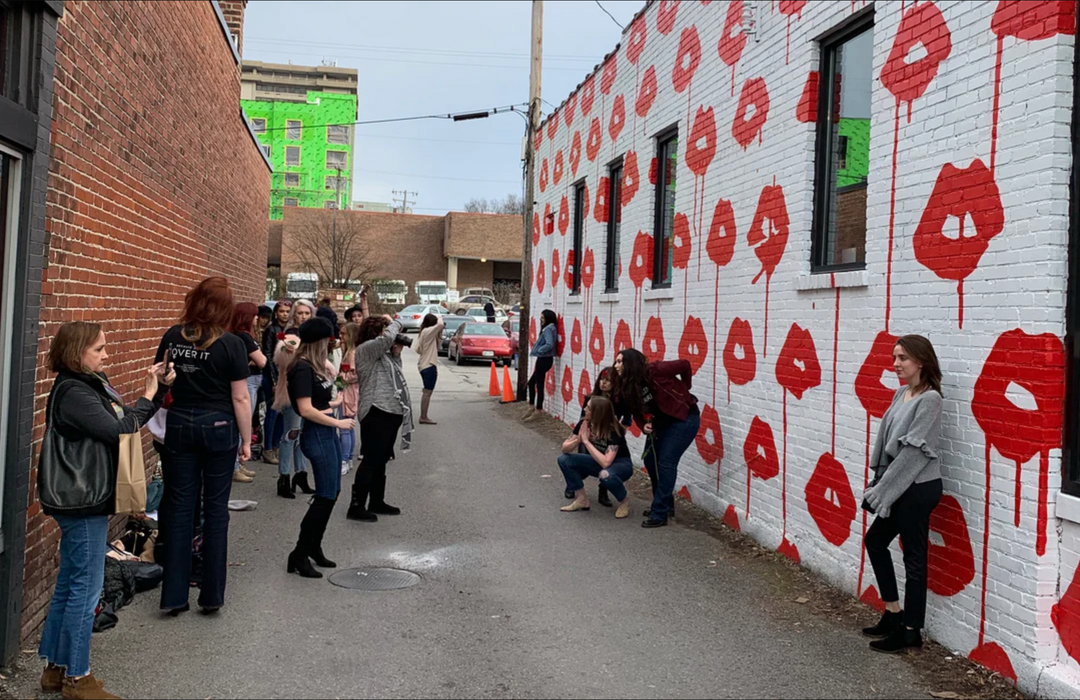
[
  {"x": 333, "y": 249},
  {"x": 511, "y": 204}
]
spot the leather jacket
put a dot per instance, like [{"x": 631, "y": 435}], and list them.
[{"x": 670, "y": 383}]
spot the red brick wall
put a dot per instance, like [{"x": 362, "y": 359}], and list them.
[{"x": 154, "y": 183}]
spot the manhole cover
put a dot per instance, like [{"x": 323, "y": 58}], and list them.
[{"x": 375, "y": 579}]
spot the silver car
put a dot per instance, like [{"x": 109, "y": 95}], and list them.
[
  {"x": 412, "y": 316},
  {"x": 480, "y": 316}
]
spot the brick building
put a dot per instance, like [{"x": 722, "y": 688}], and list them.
[
  {"x": 462, "y": 249},
  {"x": 703, "y": 176},
  {"x": 153, "y": 181}
]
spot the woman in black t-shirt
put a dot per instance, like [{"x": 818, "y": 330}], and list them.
[
  {"x": 210, "y": 414},
  {"x": 311, "y": 386},
  {"x": 606, "y": 456},
  {"x": 243, "y": 323}
]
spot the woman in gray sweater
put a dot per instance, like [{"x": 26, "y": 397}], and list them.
[{"x": 904, "y": 493}]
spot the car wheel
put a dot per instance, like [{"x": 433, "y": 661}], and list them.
[{"x": 458, "y": 358}]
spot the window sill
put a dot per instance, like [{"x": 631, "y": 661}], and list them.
[
  {"x": 609, "y": 298},
  {"x": 574, "y": 299},
  {"x": 833, "y": 280},
  {"x": 661, "y": 294},
  {"x": 1068, "y": 507}
]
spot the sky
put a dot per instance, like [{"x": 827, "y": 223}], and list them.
[{"x": 419, "y": 58}]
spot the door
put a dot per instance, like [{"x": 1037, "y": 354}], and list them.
[{"x": 10, "y": 179}]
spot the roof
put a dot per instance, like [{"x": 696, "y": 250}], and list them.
[{"x": 488, "y": 236}]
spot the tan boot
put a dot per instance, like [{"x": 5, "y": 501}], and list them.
[
  {"x": 52, "y": 679},
  {"x": 247, "y": 472},
  {"x": 241, "y": 477},
  {"x": 86, "y": 688},
  {"x": 528, "y": 413},
  {"x": 270, "y": 456},
  {"x": 534, "y": 414}
]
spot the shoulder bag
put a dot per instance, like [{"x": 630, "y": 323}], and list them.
[{"x": 71, "y": 473}]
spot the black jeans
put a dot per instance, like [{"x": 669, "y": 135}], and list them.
[
  {"x": 202, "y": 446},
  {"x": 378, "y": 433},
  {"x": 536, "y": 381},
  {"x": 910, "y": 519}
]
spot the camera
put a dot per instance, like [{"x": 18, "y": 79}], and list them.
[{"x": 404, "y": 340}]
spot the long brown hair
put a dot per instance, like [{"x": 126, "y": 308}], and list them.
[
  {"x": 630, "y": 384},
  {"x": 370, "y": 329},
  {"x": 603, "y": 421},
  {"x": 921, "y": 350},
  {"x": 348, "y": 342},
  {"x": 70, "y": 342},
  {"x": 317, "y": 355},
  {"x": 243, "y": 317},
  {"x": 208, "y": 309}
]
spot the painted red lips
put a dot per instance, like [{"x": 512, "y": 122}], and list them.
[
  {"x": 564, "y": 216},
  {"x": 575, "y": 338},
  {"x": 694, "y": 346},
  {"x": 575, "y": 153},
  {"x": 647, "y": 93},
  {"x": 680, "y": 253},
  {"x": 731, "y": 43},
  {"x": 923, "y": 24},
  {"x": 631, "y": 178},
  {"x": 874, "y": 396},
  {"x": 596, "y": 137},
  {"x": 623, "y": 338},
  {"x": 1032, "y": 21},
  {"x": 702, "y": 147},
  {"x": 754, "y": 95},
  {"x": 596, "y": 342},
  {"x": 797, "y": 368},
  {"x": 830, "y": 501},
  {"x": 687, "y": 60},
  {"x": 588, "y": 266},
  {"x": 711, "y": 450},
  {"x": 772, "y": 207},
  {"x": 654, "y": 346},
  {"x": 641, "y": 264},
  {"x": 740, "y": 370},
  {"x": 666, "y": 16},
  {"x": 618, "y": 118},
  {"x": 638, "y": 34},
  {"x": 951, "y": 565},
  {"x": 759, "y": 451},
  {"x": 720, "y": 243}
]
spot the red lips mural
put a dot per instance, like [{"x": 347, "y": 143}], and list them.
[
  {"x": 592, "y": 146},
  {"x": 540, "y": 277},
  {"x": 789, "y": 8},
  {"x": 638, "y": 33},
  {"x": 532, "y": 332},
  {"x": 568, "y": 270},
  {"x": 1032, "y": 21},
  {"x": 807, "y": 110},
  {"x": 694, "y": 346},
  {"x": 969, "y": 192},
  {"x": 702, "y": 147},
  {"x": 666, "y": 16},
  {"x": 549, "y": 220},
  {"x": 611, "y": 71},
  {"x": 770, "y": 249},
  {"x": 536, "y": 229},
  {"x": 653, "y": 346},
  {"x": 618, "y": 118},
  {"x": 951, "y": 565},
  {"x": 740, "y": 358},
  {"x": 631, "y": 181},
  {"x": 680, "y": 244},
  {"x": 720, "y": 244},
  {"x": 584, "y": 387},
  {"x": 875, "y": 396},
  {"x": 596, "y": 342},
  {"x": 687, "y": 60},
  {"x": 623, "y": 338},
  {"x": 830, "y": 501},
  {"x": 600, "y": 209},
  {"x": 921, "y": 24},
  {"x": 754, "y": 96},
  {"x": 1066, "y": 617},
  {"x": 587, "y": 95},
  {"x": 568, "y": 111},
  {"x": 575, "y": 153},
  {"x": 797, "y": 368},
  {"x": 549, "y": 383},
  {"x": 588, "y": 267},
  {"x": 560, "y": 327},
  {"x": 711, "y": 449},
  {"x": 564, "y": 216},
  {"x": 553, "y": 126},
  {"x": 575, "y": 338},
  {"x": 554, "y": 269},
  {"x": 567, "y": 384},
  {"x": 544, "y": 175},
  {"x": 652, "y": 171},
  {"x": 759, "y": 453},
  {"x": 538, "y": 139},
  {"x": 647, "y": 93},
  {"x": 732, "y": 42},
  {"x": 641, "y": 264},
  {"x": 557, "y": 171}
]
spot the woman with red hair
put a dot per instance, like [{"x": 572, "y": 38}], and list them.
[
  {"x": 245, "y": 316},
  {"x": 209, "y": 416}
]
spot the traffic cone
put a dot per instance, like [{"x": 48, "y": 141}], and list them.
[
  {"x": 493, "y": 385},
  {"x": 508, "y": 388}
]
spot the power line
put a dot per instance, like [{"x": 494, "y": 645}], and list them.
[
  {"x": 608, "y": 14},
  {"x": 323, "y": 54},
  {"x": 451, "y": 116},
  {"x": 418, "y": 138},
  {"x": 408, "y": 50},
  {"x": 432, "y": 177}
]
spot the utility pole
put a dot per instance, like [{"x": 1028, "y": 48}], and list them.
[
  {"x": 334, "y": 271},
  {"x": 404, "y": 196},
  {"x": 535, "y": 67}
]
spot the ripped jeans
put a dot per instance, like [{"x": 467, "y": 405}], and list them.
[{"x": 290, "y": 457}]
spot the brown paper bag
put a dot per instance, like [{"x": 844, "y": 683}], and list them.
[{"x": 131, "y": 476}]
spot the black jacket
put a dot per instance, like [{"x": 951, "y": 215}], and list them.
[{"x": 82, "y": 409}]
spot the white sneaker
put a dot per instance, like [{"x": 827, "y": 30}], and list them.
[{"x": 346, "y": 467}]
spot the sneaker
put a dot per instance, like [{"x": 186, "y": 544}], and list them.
[{"x": 346, "y": 467}]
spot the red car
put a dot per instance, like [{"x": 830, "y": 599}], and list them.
[{"x": 479, "y": 341}]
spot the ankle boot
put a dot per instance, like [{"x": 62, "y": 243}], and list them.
[
  {"x": 358, "y": 505},
  {"x": 889, "y": 623},
  {"x": 300, "y": 480},
  {"x": 52, "y": 679},
  {"x": 284, "y": 489},
  {"x": 86, "y": 688},
  {"x": 324, "y": 509},
  {"x": 270, "y": 456},
  {"x": 298, "y": 559},
  {"x": 299, "y": 564},
  {"x": 901, "y": 640},
  {"x": 378, "y": 504}
]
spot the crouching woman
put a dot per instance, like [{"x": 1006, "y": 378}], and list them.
[{"x": 606, "y": 457}]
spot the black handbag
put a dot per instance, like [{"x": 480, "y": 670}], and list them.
[{"x": 72, "y": 473}]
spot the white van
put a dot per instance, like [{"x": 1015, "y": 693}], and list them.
[
  {"x": 431, "y": 292},
  {"x": 302, "y": 285}
]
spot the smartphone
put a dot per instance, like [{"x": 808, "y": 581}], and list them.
[{"x": 166, "y": 363}]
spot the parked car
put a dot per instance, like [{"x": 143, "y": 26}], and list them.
[
  {"x": 472, "y": 301},
  {"x": 479, "y": 341},
  {"x": 514, "y": 310},
  {"x": 480, "y": 316},
  {"x": 412, "y": 316},
  {"x": 512, "y": 326},
  {"x": 452, "y": 324}
]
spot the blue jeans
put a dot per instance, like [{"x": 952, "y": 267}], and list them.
[
  {"x": 290, "y": 456},
  {"x": 576, "y": 467},
  {"x": 663, "y": 450},
  {"x": 202, "y": 448},
  {"x": 274, "y": 427},
  {"x": 65, "y": 642},
  {"x": 348, "y": 444},
  {"x": 322, "y": 446},
  {"x": 253, "y": 384}
]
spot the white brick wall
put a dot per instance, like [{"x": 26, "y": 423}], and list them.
[{"x": 1019, "y": 283}]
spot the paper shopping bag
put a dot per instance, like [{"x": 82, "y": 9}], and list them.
[{"x": 131, "y": 476}]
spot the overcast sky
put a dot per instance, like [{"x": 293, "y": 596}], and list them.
[{"x": 420, "y": 58}]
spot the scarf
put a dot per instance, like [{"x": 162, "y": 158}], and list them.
[{"x": 401, "y": 393}]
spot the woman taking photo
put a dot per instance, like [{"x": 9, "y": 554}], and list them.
[
  {"x": 905, "y": 490},
  {"x": 657, "y": 396},
  {"x": 606, "y": 456},
  {"x": 272, "y": 428},
  {"x": 245, "y": 316},
  {"x": 383, "y": 408},
  {"x": 349, "y": 391},
  {"x": 83, "y": 408},
  {"x": 290, "y": 457},
  {"x": 544, "y": 352},
  {"x": 209, "y": 415},
  {"x": 311, "y": 385},
  {"x": 431, "y": 329}
]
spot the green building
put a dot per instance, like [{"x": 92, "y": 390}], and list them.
[
  {"x": 854, "y": 152},
  {"x": 303, "y": 117}
]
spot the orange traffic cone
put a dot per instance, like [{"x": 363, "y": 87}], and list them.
[
  {"x": 493, "y": 385},
  {"x": 508, "y": 388}
]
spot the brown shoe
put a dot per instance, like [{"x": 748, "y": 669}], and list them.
[
  {"x": 52, "y": 679},
  {"x": 247, "y": 472},
  {"x": 241, "y": 478},
  {"x": 270, "y": 456},
  {"x": 86, "y": 688}
]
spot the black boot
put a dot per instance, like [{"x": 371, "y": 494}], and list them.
[
  {"x": 300, "y": 480},
  {"x": 325, "y": 507},
  {"x": 570, "y": 495},
  {"x": 603, "y": 499},
  {"x": 889, "y": 623},
  {"x": 901, "y": 640},
  {"x": 358, "y": 506},
  {"x": 378, "y": 504},
  {"x": 298, "y": 558},
  {"x": 284, "y": 489}
]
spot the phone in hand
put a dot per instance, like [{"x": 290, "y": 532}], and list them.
[{"x": 166, "y": 362}]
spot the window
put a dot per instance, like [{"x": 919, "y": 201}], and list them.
[
  {"x": 258, "y": 126},
  {"x": 337, "y": 134},
  {"x": 265, "y": 148},
  {"x": 843, "y": 148},
  {"x": 330, "y": 204},
  {"x": 290, "y": 201},
  {"x": 667, "y": 157},
  {"x": 336, "y": 183},
  {"x": 292, "y": 179},
  {"x": 614, "y": 197},
  {"x": 292, "y": 156},
  {"x": 336, "y": 160},
  {"x": 579, "y": 226},
  {"x": 293, "y": 129}
]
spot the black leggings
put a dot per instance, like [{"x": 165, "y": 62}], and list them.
[
  {"x": 378, "y": 433},
  {"x": 910, "y": 519},
  {"x": 536, "y": 381}
]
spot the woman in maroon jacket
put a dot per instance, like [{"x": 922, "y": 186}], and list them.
[{"x": 657, "y": 396}]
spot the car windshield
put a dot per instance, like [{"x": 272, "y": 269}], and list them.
[
  {"x": 452, "y": 324},
  {"x": 414, "y": 309},
  {"x": 484, "y": 329}
]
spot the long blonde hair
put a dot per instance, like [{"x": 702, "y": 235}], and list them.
[
  {"x": 348, "y": 342},
  {"x": 291, "y": 323},
  {"x": 317, "y": 354}
]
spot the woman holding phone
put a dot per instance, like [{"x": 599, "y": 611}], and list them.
[
  {"x": 245, "y": 316},
  {"x": 290, "y": 458}
]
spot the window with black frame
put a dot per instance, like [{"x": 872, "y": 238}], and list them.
[
  {"x": 579, "y": 233},
  {"x": 614, "y": 203},
  {"x": 842, "y": 163},
  {"x": 667, "y": 158}
]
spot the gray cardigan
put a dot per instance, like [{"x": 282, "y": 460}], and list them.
[{"x": 905, "y": 452}]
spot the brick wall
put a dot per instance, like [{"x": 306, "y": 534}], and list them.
[
  {"x": 233, "y": 12},
  {"x": 1016, "y": 610},
  {"x": 154, "y": 183}
]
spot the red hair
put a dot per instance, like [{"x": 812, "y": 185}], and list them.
[
  {"x": 243, "y": 317},
  {"x": 208, "y": 309}
]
